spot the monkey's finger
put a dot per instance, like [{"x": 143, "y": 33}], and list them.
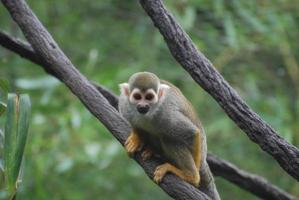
[
  {"x": 146, "y": 154},
  {"x": 127, "y": 146},
  {"x": 128, "y": 140},
  {"x": 160, "y": 173},
  {"x": 159, "y": 168},
  {"x": 158, "y": 177},
  {"x": 128, "y": 149},
  {"x": 131, "y": 148}
]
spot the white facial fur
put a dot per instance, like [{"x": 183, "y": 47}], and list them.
[
  {"x": 162, "y": 89},
  {"x": 124, "y": 89},
  {"x": 149, "y": 96}
]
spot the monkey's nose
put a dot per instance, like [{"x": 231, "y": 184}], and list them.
[{"x": 142, "y": 109}]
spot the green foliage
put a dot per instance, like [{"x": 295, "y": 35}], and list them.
[
  {"x": 3, "y": 94},
  {"x": 3, "y": 87},
  {"x": 254, "y": 44},
  {"x": 2, "y": 108},
  {"x": 16, "y": 130}
]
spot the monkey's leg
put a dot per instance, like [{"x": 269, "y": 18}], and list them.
[
  {"x": 133, "y": 143},
  {"x": 183, "y": 164},
  {"x": 197, "y": 149}
]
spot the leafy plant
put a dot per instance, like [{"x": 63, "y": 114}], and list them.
[{"x": 15, "y": 134}]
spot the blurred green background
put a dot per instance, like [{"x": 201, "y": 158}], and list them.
[{"x": 70, "y": 155}]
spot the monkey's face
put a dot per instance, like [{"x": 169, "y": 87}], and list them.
[
  {"x": 143, "y": 100},
  {"x": 143, "y": 92}
]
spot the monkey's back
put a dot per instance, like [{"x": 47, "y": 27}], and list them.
[{"x": 188, "y": 110}]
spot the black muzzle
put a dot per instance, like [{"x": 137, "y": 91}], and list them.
[{"x": 142, "y": 109}]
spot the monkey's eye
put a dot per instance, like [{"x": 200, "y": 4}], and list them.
[
  {"x": 149, "y": 97},
  {"x": 137, "y": 96}
]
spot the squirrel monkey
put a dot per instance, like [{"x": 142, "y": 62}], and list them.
[{"x": 164, "y": 122}]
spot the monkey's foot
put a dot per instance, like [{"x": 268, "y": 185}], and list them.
[
  {"x": 133, "y": 143},
  {"x": 146, "y": 154},
  {"x": 160, "y": 172},
  {"x": 194, "y": 180},
  {"x": 191, "y": 177}
]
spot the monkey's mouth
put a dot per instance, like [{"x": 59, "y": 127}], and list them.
[{"x": 143, "y": 109}]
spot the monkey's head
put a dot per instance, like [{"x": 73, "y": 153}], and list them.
[{"x": 143, "y": 90}]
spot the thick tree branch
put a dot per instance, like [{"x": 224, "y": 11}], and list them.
[
  {"x": 47, "y": 49},
  {"x": 205, "y": 74},
  {"x": 251, "y": 182}
]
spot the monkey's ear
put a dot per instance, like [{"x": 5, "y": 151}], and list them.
[
  {"x": 124, "y": 89},
  {"x": 162, "y": 89}
]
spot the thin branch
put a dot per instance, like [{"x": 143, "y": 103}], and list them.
[
  {"x": 23, "y": 49},
  {"x": 247, "y": 181},
  {"x": 47, "y": 49},
  {"x": 205, "y": 74},
  {"x": 255, "y": 184}
]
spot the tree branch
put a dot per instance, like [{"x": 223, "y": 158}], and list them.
[
  {"x": 205, "y": 74},
  {"x": 247, "y": 181},
  {"x": 23, "y": 49},
  {"x": 56, "y": 62}
]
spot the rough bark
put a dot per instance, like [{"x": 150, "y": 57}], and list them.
[
  {"x": 205, "y": 74},
  {"x": 257, "y": 185}
]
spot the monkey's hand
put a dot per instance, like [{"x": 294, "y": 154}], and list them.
[
  {"x": 147, "y": 153},
  {"x": 133, "y": 143}
]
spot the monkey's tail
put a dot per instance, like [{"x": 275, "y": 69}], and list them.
[{"x": 207, "y": 183}]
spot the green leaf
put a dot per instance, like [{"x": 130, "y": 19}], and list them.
[
  {"x": 16, "y": 129},
  {"x": 2, "y": 108},
  {"x": 1, "y": 140},
  {"x": 23, "y": 125},
  {"x": 3, "y": 87},
  {"x": 218, "y": 6},
  {"x": 249, "y": 17},
  {"x": 230, "y": 30},
  {"x": 1, "y": 165},
  {"x": 9, "y": 144}
]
